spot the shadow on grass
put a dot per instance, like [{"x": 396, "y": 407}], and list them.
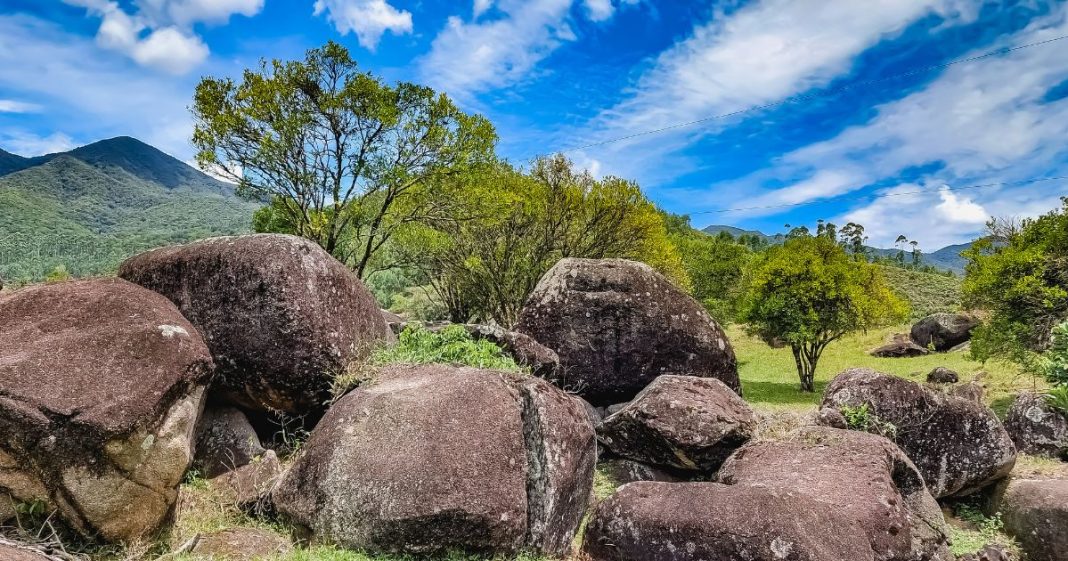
[{"x": 780, "y": 393}]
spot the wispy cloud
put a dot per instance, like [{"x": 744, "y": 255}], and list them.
[
  {"x": 14, "y": 106},
  {"x": 368, "y": 19},
  {"x": 29, "y": 144}
]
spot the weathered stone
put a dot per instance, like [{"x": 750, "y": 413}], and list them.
[
  {"x": 1035, "y": 512},
  {"x": 900, "y": 347},
  {"x": 489, "y": 462},
  {"x": 541, "y": 360},
  {"x": 249, "y": 486},
  {"x": 280, "y": 315},
  {"x": 991, "y": 553},
  {"x": 101, "y": 385},
  {"x": 959, "y": 446},
  {"x": 680, "y": 422},
  {"x": 943, "y": 331},
  {"x": 616, "y": 325},
  {"x": 972, "y": 391},
  {"x": 22, "y": 553},
  {"x": 623, "y": 471},
  {"x": 710, "y": 521},
  {"x": 860, "y": 477},
  {"x": 1036, "y": 427},
  {"x": 225, "y": 441},
  {"x": 241, "y": 544},
  {"x": 942, "y": 375}
]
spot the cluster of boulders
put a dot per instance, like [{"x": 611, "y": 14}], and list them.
[
  {"x": 112, "y": 389},
  {"x": 941, "y": 332}
]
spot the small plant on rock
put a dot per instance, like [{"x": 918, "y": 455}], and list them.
[
  {"x": 862, "y": 418},
  {"x": 450, "y": 345}
]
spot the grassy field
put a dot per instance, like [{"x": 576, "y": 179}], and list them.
[
  {"x": 769, "y": 377},
  {"x": 925, "y": 293}
]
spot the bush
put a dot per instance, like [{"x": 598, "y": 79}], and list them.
[
  {"x": 451, "y": 345},
  {"x": 861, "y": 418}
]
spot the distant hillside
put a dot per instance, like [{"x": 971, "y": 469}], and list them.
[
  {"x": 947, "y": 258},
  {"x": 91, "y": 207},
  {"x": 925, "y": 293}
]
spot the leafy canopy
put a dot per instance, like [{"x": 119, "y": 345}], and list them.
[
  {"x": 809, "y": 292},
  {"x": 1019, "y": 274},
  {"x": 344, "y": 158}
]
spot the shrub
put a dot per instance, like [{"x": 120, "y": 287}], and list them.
[
  {"x": 450, "y": 345},
  {"x": 861, "y": 418},
  {"x": 1057, "y": 398}
]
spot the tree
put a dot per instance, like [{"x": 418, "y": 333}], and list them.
[
  {"x": 344, "y": 159},
  {"x": 853, "y": 239},
  {"x": 1019, "y": 275},
  {"x": 809, "y": 293},
  {"x": 917, "y": 255},
  {"x": 717, "y": 267},
  {"x": 507, "y": 228}
]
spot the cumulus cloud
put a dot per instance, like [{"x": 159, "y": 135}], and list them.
[
  {"x": 368, "y": 19},
  {"x": 13, "y": 106},
  {"x": 159, "y": 34},
  {"x": 480, "y": 7}
]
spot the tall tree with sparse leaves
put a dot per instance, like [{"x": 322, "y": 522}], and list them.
[{"x": 344, "y": 159}]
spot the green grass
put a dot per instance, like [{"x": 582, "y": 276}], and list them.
[
  {"x": 769, "y": 377},
  {"x": 970, "y": 531},
  {"x": 926, "y": 293}
]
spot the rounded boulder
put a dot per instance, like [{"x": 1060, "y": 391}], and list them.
[
  {"x": 280, "y": 315},
  {"x": 101, "y": 384},
  {"x": 1036, "y": 427},
  {"x": 616, "y": 325},
  {"x": 958, "y": 445},
  {"x": 943, "y": 331},
  {"x": 428, "y": 459}
]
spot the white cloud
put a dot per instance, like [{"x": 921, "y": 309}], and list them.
[
  {"x": 480, "y": 7},
  {"x": 599, "y": 10},
  {"x": 469, "y": 57},
  {"x": 763, "y": 53},
  {"x": 28, "y": 144},
  {"x": 91, "y": 94},
  {"x": 368, "y": 19},
  {"x": 159, "y": 34},
  {"x": 960, "y": 210},
  {"x": 13, "y": 106}
]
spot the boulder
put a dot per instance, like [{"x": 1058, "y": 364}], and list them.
[
  {"x": 616, "y": 325},
  {"x": 20, "y": 552},
  {"x": 859, "y": 477},
  {"x": 972, "y": 391},
  {"x": 1036, "y": 428},
  {"x": 710, "y": 521},
  {"x": 900, "y": 347},
  {"x": 249, "y": 486},
  {"x": 943, "y": 331},
  {"x": 942, "y": 375},
  {"x": 101, "y": 385},
  {"x": 541, "y": 360},
  {"x": 225, "y": 441},
  {"x": 280, "y": 315},
  {"x": 1035, "y": 512},
  {"x": 240, "y": 544},
  {"x": 991, "y": 553},
  {"x": 958, "y": 445},
  {"x": 680, "y": 422},
  {"x": 428, "y": 459},
  {"x": 623, "y": 471}
]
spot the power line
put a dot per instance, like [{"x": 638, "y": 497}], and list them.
[
  {"x": 805, "y": 97},
  {"x": 883, "y": 196}
]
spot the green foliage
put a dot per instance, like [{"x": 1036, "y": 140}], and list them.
[
  {"x": 450, "y": 345},
  {"x": 1057, "y": 397},
  {"x": 926, "y": 293},
  {"x": 344, "y": 158},
  {"x": 863, "y": 419},
  {"x": 1055, "y": 365},
  {"x": 1019, "y": 274},
  {"x": 58, "y": 274},
  {"x": 505, "y": 228},
  {"x": 984, "y": 531},
  {"x": 716, "y": 265},
  {"x": 808, "y": 293}
]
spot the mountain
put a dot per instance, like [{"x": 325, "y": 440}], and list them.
[
  {"x": 89, "y": 208},
  {"x": 948, "y": 258}
]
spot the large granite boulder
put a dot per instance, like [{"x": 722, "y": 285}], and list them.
[
  {"x": 858, "y": 476},
  {"x": 280, "y": 315},
  {"x": 958, "y": 445},
  {"x": 900, "y": 346},
  {"x": 1035, "y": 512},
  {"x": 710, "y": 521},
  {"x": 680, "y": 422},
  {"x": 616, "y": 325},
  {"x": 427, "y": 459},
  {"x": 101, "y": 384},
  {"x": 943, "y": 331},
  {"x": 1036, "y": 427}
]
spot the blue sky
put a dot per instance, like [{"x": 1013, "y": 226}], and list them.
[{"x": 858, "y": 125}]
